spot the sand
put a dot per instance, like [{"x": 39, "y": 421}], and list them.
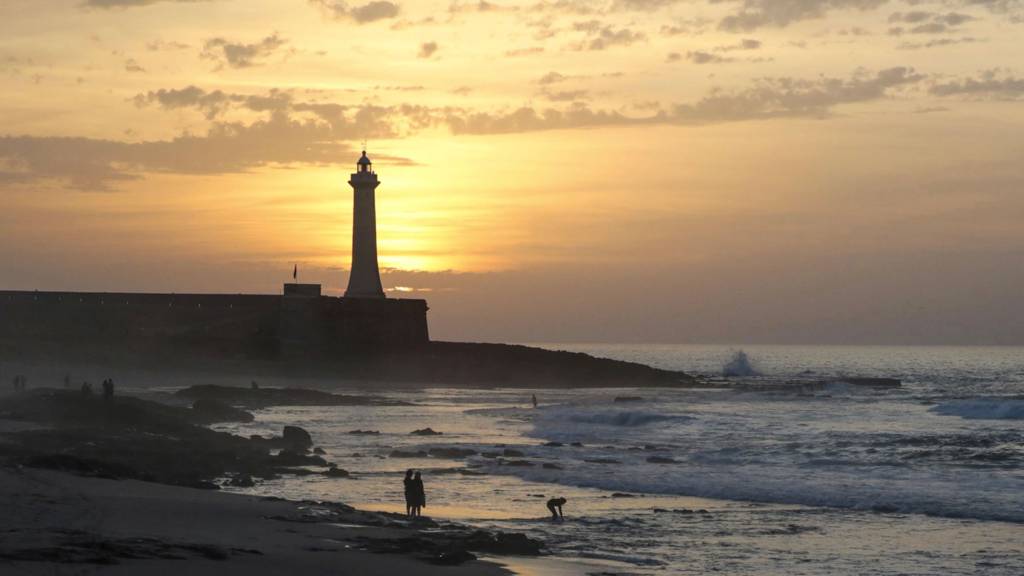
[{"x": 54, "y": 523}]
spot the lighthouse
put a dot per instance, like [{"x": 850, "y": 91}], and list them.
[{"x": 364, "y": 279}]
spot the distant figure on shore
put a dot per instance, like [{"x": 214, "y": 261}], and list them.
[
  {"x": 19, "y": 383},
  {"x": 408, "y": 492},
  {"x": 255, "y": 386},
  {"x": 108, "y": 389},
  {"x": 555, "y": 506},
  {"x": 534, "y": 400},
  {"x": 419, "y": 496},
  {"x": 86, "y": 389}
]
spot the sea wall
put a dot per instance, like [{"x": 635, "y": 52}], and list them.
[{"x": 213, "y": 325}]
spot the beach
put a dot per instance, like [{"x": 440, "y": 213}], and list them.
[{"x": 57, "y": 523}]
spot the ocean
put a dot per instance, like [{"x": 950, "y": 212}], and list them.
[{"x": 783, "y": 470}]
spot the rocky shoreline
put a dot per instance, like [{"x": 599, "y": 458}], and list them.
[{"x": 127, "y": 439}]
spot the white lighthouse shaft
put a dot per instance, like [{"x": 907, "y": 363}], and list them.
[{"x": 364, "y": 279}]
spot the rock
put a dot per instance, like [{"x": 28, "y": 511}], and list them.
[
  {"x": 296, "y": 437},
  {"x": 551, "y": 466},
  {"x": 364, "y": 432},
  {"x": 335, "y": 472},
  {"x": 453, "y": 557},
  {"x": 661, "y": 460},
  {"x": 512, "y": 453},
  {"x": 503, "y": 543},
  {"x": 407, "y": 454},
  {"x": 255, "y": 398},
  {"x": 425, "y": 432},
  {"x": 451, "y": 452},
  {"x": 554, "y": 444},
  {"x": 319, "y": 450},
  {"x": 210, "y": 411},
  {"x": 622, "y": 495},
  {"x": 241, "y": 481},
  {"x": 577, "y": 444}
]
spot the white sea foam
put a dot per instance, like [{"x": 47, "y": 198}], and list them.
[{"x": 983, "y": 409}]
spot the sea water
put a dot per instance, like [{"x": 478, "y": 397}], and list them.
[{"x": 755, "y": 475}]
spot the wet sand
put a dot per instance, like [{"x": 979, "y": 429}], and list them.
[{"x": 55, "y": 523}]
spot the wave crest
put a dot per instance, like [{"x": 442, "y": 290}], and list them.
[{"x": 983, "y": 409}]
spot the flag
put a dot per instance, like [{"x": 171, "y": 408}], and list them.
[{"x": 295, "y": 273}]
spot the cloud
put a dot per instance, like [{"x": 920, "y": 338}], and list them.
[
  {"x": 239, "y": 55},
  {"x": 754, "y": 14},
  {"x": 787, "y": 97},
  {"x": 130, "y": 3},
  {"x": 212, "y": 104},
  {"x": 292, "y": 132},
  {"x": 988, "y": 84},
  {"x": 524, "y": 51},
  {"x": 159, "y": 45},
  {"x": 130, "y": 65},
  {"x": 927, "y": 22},
  {"x": 362, "y": 14},
  {"x": 938, "y": 42},
  {"x": 745, "y": 44},
  {"x": 552, "y": 78},
  {"x": 701, "y": 57},
  {"x": 427, "y": 49},
  {"x": 601, "y": 36},
  {"x": 673, "y": 57},
  {"x": 565, "y": 95}
]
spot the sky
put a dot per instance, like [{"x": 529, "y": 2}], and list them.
[{"x": 704, "y": 171}]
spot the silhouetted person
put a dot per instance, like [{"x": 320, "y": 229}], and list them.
[
  {"x": 555, "y": 506},
  {"x": 255, "y": 386},
  {"x": 108, "y": 389},
  {"x": 419, "y": 495},
  {"x": 86, "y": 389},
  {"x": 534, "y": 400},
  {"x": 408, "y": 492}
]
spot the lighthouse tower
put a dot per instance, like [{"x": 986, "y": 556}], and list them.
[{"x": 364, "y": 280}]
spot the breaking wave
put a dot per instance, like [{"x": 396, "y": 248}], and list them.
[
  {"x": 624, "y": 418},
  {"x": 983, "y": 409}
]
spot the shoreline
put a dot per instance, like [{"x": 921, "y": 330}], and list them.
[{"x": 60, "y": 523}]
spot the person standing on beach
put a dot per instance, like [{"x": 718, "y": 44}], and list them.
[
  {"x": 419, "y": 495},
  {"x": 534, "y": 400},
  {"x": 408, "y": 492}
]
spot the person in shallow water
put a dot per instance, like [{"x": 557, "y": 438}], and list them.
[
  {"x": 534, "y": 400},
  {"x": 408, "y": 492},
  {"x": 555, "y": 506},
  {"x": 419, "y": 497}
]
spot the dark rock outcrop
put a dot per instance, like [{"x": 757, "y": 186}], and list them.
[
  {"x": 451, "y": 452},
  {"x": 208, "y": 411},
  {"x": 425, "y": 432},
  {"x": 296, "y": 438},
  {"x": 256, "y": 398}
]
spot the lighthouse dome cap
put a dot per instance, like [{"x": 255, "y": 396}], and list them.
[{"x": 363, "y": 160}]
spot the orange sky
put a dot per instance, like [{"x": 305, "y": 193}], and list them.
[{"x": 842, "y": 171}]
